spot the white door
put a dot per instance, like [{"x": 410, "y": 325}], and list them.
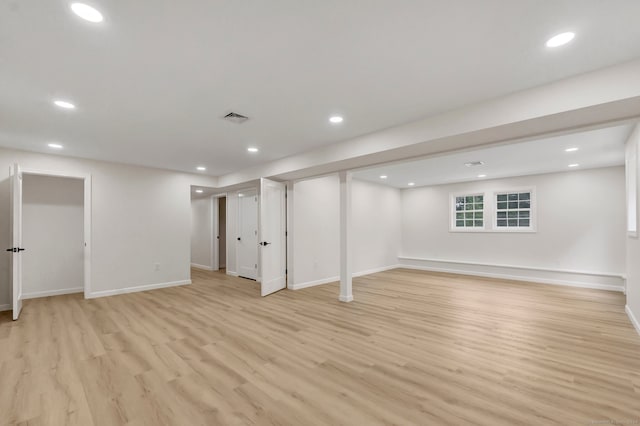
[
  {"x": 273, "y": 249},
  {"x": 16, "y": 240},
  {"x": 248, "y": 235}
]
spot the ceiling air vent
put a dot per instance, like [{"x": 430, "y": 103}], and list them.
[
  {"x": 474, "y": 163},
  {"x": 234, "y": 117}
]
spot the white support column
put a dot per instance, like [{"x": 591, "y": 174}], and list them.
[{"x": 346, "y": 247}]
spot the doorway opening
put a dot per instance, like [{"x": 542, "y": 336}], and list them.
[
  {"x": 222, "y": 233},
  {"x": 53, "y": 235},
  {"x": 204, "y": 229},
  {"x": 242, "y": 232},
  {"x": 209, "y": 242},
  {"x": 50, "y": 235}
]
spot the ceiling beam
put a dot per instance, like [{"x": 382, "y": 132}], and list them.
[{"x": 598, "y": 98}]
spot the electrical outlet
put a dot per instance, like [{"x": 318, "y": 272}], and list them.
[{"x": 156, "y": 266}]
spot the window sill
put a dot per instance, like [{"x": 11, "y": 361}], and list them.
[
  {"x": 493, "y": 231},
  {"x": 515, "y": 231}
]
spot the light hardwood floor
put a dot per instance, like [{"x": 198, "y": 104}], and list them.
[{"x": 413, "y": 348}]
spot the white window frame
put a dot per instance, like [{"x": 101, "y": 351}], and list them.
[
  {"x": 533, "y": 217},
  {"x": 452, "y": 212}
]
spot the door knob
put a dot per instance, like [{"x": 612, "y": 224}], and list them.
[
  {"x": 264, "y": 243},
  {"x": 238, "y": 238}
]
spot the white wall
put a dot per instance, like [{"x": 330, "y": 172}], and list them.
[
  {"x": 141, "y": 217},
  {"x": 580, "y": 227},
  {"x": 377, "y": 230},
  {"x": 53, "y": 235},
  {"x": 633, "y": 246},
  {"x": 316, "y": 229},
  {"x": 202, "y": 233}
]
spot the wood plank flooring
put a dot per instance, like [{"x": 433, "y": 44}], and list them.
[{"x": 413, "y": 348}]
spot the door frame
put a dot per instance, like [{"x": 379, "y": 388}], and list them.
[
  {"x": 86, "y": 178},
  {"x": 215, "y": 230},
  {"x": 289, "y": 232}
]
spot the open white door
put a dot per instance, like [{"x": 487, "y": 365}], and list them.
[
  {"x": 16, "y": 240},
  {"x": 272, "y": 236}
]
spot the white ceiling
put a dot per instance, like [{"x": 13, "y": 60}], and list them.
[
  {"x": 209, "y": 191},
  {"x": 206, "y": 192},
  {"x": 596, "y": 148},
  {"x": 153, "y": 80}
]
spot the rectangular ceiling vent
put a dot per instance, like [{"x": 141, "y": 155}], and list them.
[
  {"x": 234, "y": 117},
  {"x": 474, "y": 163}
]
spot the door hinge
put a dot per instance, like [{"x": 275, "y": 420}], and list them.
[{"x": 256, "y": 267}]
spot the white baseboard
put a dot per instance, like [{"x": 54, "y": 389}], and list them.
[
  {"x": 376, "y": 270},
  {"x": 147, "y": 287},
  {"x": 5, "y": 307},
  {"x": 315, "y": 283},
  {"x": 337, "y": 278},
  {"x": 633, "y": 318},
  {"x": 232, "y": 273},
  {"x": 37, "y": 294},
  {"x": 206, "y": 268},
  {"x": 583, "y": 279}
]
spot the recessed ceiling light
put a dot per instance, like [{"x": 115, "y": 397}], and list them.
[
  {"x": 336, "y": 119},
  {"x": 64, "y": 104},
  {"x": 560, "y": 39},
  {"x": 252, "y": 149},
  {"x": 383, "y": 176},
  {"x": 55, "y": 146},
  {"x": 201, "y": 168},
  {"x": 411, "y": 183},
  {"x": 199, "y": 191},
  {"x": 240, "y": 195},
  {"x": 571, "y": 149},
  {"x": 482, "y": 176},
  {"x": 86, "y": 12},
  {"x": 574, "y": 165}
]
